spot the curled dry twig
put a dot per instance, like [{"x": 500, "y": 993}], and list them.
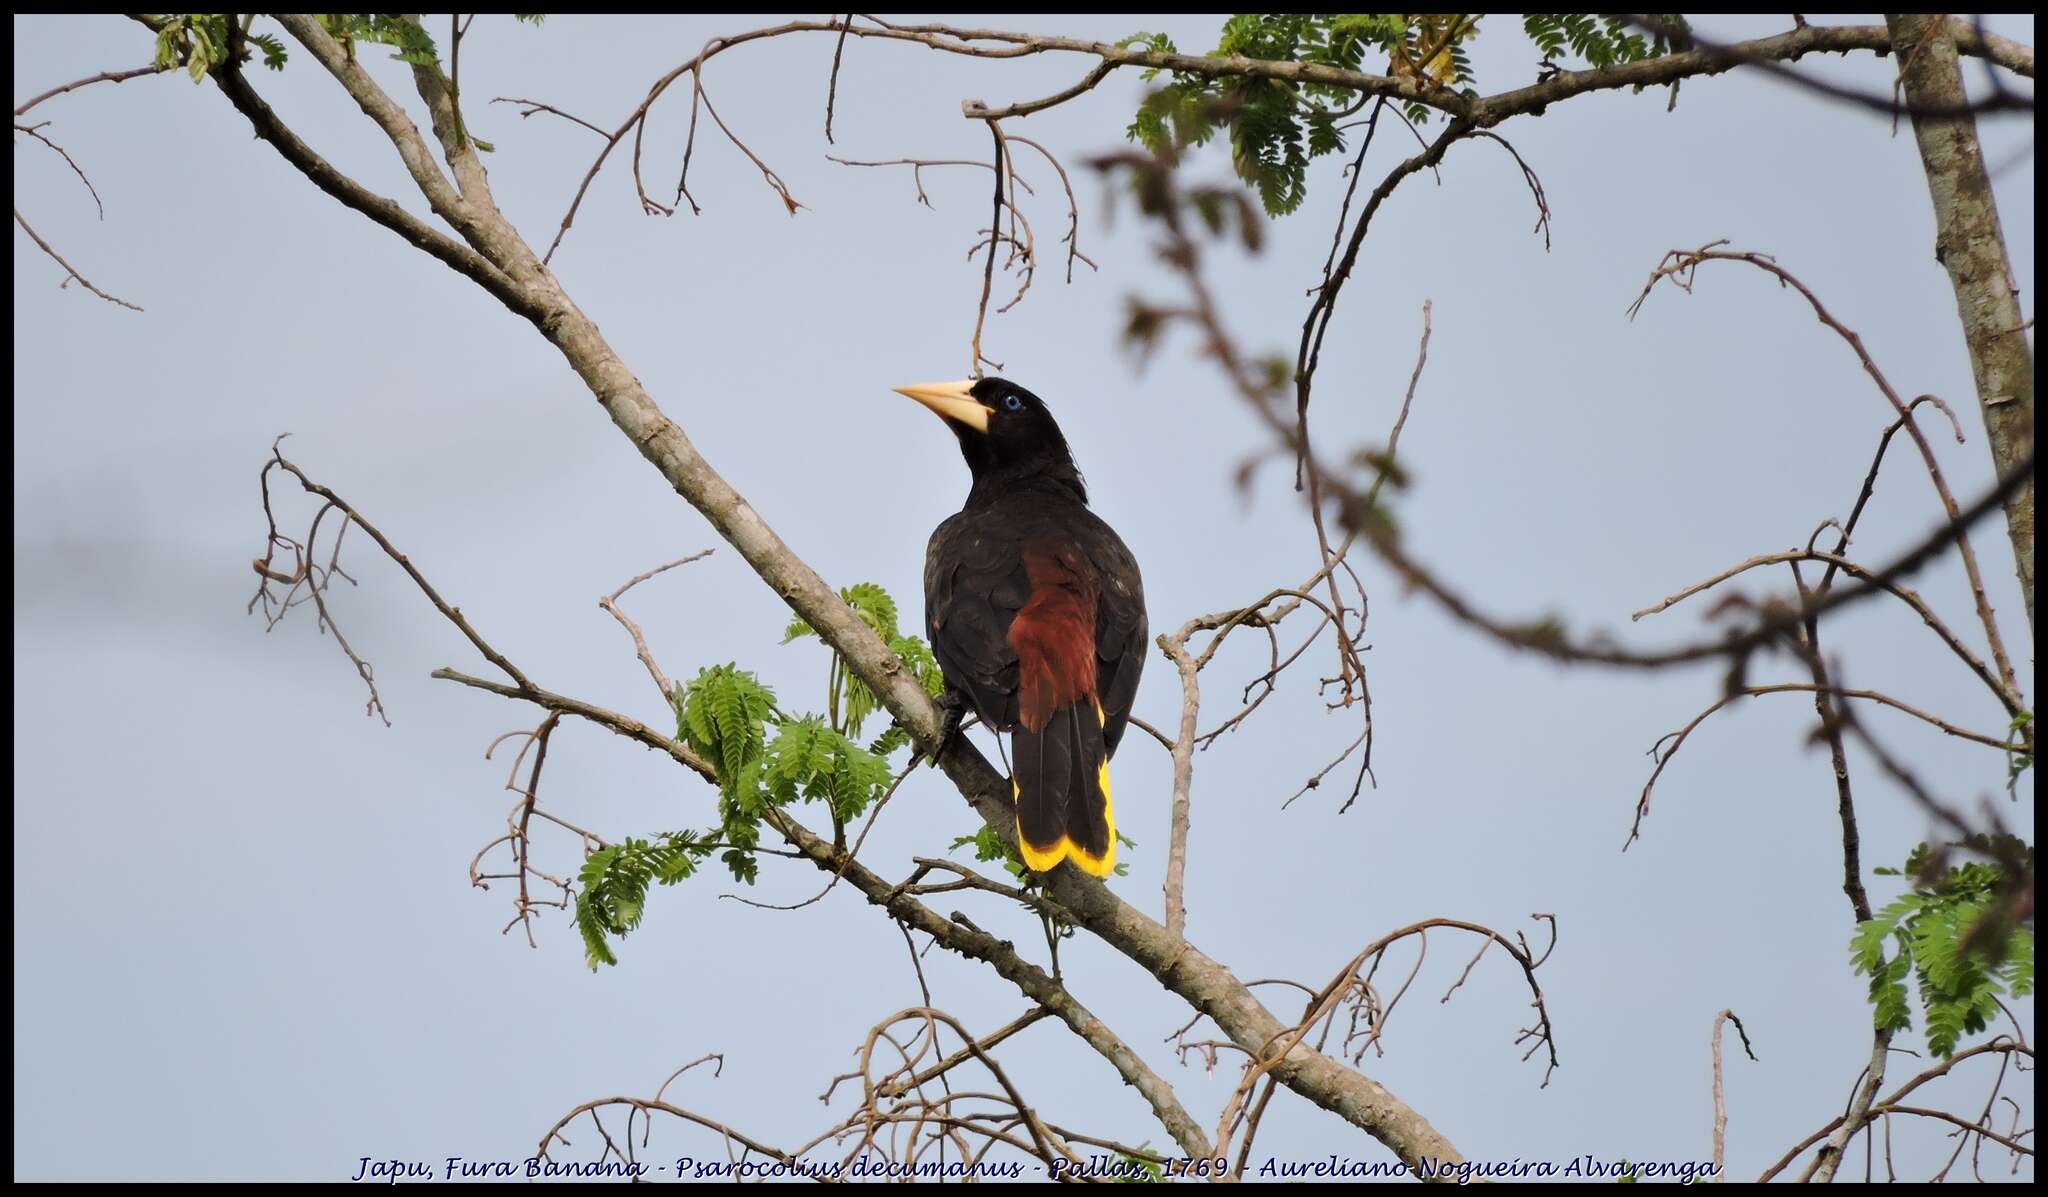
[
  {"x": 910, "y": 1119},
  {"x": 1353, "y": 987}
]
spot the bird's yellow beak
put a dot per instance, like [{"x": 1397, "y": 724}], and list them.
[{"x": 951, "y": 401}]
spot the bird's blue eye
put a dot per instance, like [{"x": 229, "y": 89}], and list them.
[{"x": 1012, "y": 403}]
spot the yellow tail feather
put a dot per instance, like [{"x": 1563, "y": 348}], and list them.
[{"x": 1048, "y": 859}]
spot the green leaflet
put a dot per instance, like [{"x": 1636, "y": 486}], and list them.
[
  {"x": 1598, "y": 40},
  {"x": 810, "y": 761},
  {"x": 405, "y": 34},
  {"x": 848, "y": 701},
  {"x": 1888, "y": 995},
  {"x": 764, "y": 758},
  {"x": 1867, "y": 948},
  {"x": 612, "y": 887},
  {"x": 869, "y": 601},
  {"x": 1277, "y": 128},
  {"x": 916, "y": 654},
  {"x": 1954, "y": 935},
  {"x": 272, "y": 47},
  {"x": 722, "y": 713},
  {"x": 200, "y": 41},
  {"x": 989, "y": 846},
  {"x": 2018, "y": 970}
]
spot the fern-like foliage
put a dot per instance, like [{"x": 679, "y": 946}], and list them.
[
  {"x": 764, "y": 758},
  {"x": 1276, "y": 128},
  {"x": 988, "y": 847},
  {"x": 612, "y": 887},
  {"x": 407, "y": 37},
  {"x": 1600, "y": 41},
  {"x": 848, "y": 701},
  {"x": 1952, "y": 935},
  {"x": 721, "y": 714},
  {"x": 810, "y": 761}
]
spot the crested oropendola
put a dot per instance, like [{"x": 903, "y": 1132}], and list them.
[{"x": 1036, "y": 613}]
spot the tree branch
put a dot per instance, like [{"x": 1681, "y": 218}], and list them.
[
  {"x": 70, "y": 272},
  {"x": 1969, "y": 242},
  {"x": 102, "y": 77},
  {"x": 351, "y": 194}
]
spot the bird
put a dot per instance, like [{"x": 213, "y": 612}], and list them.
[{"x": 1035, "y": 610}]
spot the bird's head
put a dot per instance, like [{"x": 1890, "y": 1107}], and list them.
[{"x": 1004, "y": 430}]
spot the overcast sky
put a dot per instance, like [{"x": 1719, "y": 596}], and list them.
[{"x": 245, "y": 943}]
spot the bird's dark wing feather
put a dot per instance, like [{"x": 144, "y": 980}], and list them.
[
  {"x": 1121, "y": 632},
  {"x": 976, "y": 580},
  {"x": 974, "y": 584}
]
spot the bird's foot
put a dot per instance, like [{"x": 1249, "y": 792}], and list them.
[{"x": 954, "y": 710}]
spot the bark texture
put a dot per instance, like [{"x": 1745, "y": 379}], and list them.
[{"x": 1969, "y": 242}]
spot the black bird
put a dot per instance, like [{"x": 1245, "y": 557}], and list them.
[{"x": 1036, "y": 613}]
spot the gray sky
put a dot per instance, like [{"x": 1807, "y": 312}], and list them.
[{"x": 245, "y": 946}]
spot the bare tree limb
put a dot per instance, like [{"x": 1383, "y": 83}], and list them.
[
  {"x": 1679, "y": 267},
  {"x": 102, "y": 77},
  {"x": 2013, "y": 701},
  {"x": 1742, "y": 55},
  {"x": 35, "y": 131},
  {"x": 1969, "y": 241},
  {"x": 1871, "y": 1109}
]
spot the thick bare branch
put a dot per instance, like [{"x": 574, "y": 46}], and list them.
[
  {"x": 387, "y": 115},
  {"x": 351, "y": 194},
  {"x": 1969, "y": 241},
  {"x": 1734, "y": 55}
]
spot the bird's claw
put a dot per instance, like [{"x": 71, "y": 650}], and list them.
[{"x": 955, "y": 711}]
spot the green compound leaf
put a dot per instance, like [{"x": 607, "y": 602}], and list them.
[
  {"x": 1954, "y": 934},
  {"x": 1276, "y": 128}
]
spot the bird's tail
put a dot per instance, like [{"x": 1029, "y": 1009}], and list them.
[{"x": 1061, "y": 781}]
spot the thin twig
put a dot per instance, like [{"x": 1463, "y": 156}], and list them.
[
  {"x": 1720, "y": 1098},
  {"x": 70, "y": 272}
]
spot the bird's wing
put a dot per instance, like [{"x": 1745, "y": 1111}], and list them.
[
  {"x": 974, "y": 584},
  {"x": 1121, "y": 631},
  {"x": 977, "y": 577}
]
